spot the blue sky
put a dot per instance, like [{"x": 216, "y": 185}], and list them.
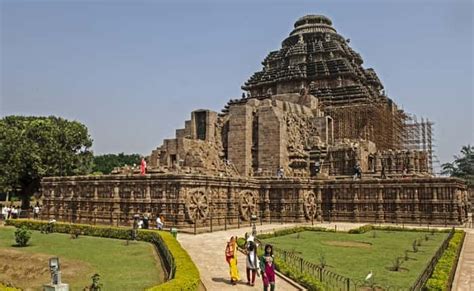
[{"x": 132, "y": 71}]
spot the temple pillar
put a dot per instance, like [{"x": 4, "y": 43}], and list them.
[
  {"x": 378, "y": 163},
  {"x": 398, "y": 201},
  {"x": 319, "y": 201},
  {"x": 300, "y": 217},
  {"x": 380, "y": 202},
  {"x": 356, "y": 205},
  {"x": 266, "y": 201},
  {"x": 115, "y": 214}
]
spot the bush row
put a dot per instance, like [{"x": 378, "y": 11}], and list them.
[
  {"x": 291, "y": 231},
  {"x": 185, "y": 273},
  {"x": 441, "y": 277},
  {"x": 312, "y": 284},
  {"x": 370, "y": 227},
  {"x": 8, "y": 288}
]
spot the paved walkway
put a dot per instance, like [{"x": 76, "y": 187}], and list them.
[
  {"x": 207, "y": 251},
  {"x": 464, "y": 278}
]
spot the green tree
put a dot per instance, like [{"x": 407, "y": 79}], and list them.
[
  {"x": 106, "y": 163},
  {"x": 34, "y": 147},
  {"x": 462, "y": 166}
]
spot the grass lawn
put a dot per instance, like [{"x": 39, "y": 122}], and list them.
[
  {"x": 121, "y": 267},
  {"x": 355, "y": 255}
]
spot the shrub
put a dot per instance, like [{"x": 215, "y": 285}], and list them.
[
  {"x": 362, "y": 229},
  {"x": 396, "y": 264},
  {"x": 184, "y": 271},
  {"x": 8, "y": 287},
  {"x": 22, "y": 236},
  {"x": 444, "y": 269},
  {"x": 241, "y": 242},
  {"x": 322, "y": 260},
  {"x": 415, "y": 246}
]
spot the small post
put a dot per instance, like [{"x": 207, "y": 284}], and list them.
[
  {"x": 238, "y": 221},
  {"x": 335, "y": 227},
  {"x": 348, "y": 283},
  {"x": 195, "y": 222},
  {"x": 225, "y": 222}
]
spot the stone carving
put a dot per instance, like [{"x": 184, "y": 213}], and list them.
[
  {"x": 248, "y": 204},
  {"x": 310, "y": 205},
  {"x": 197, "y": 206}
]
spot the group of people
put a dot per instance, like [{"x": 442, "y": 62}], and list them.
[
  {"x": 143, "y": 221},
  {"x": 262, "y": 266},
  {"x": 12, "y": 211},
  {"x": 9, "y": 212}
]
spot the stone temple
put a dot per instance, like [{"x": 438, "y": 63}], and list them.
[{"x": 286, "y": 150}]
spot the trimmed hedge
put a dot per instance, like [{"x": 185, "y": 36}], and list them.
[
  {"x": 309, "y": 282},
  {"x": 370, "y": 227},
  {"x": 292, "y": 230},
  {"x": 8, "y": 288},
  {"x": 185, "y": 275},
  {"x": 442, "y": 273}
]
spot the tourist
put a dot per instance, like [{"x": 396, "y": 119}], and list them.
[
  {"x": 145, "y": 221},
  {"x": 231, "y": 258},
  {"x": 14, "y": 212},
  {"x": 140, "y": 223},
  {"x": 143, "y": 167},
  {"x": 267, "y": 268},
  {"x": 252, "y": 260},
  {"x": 6, "y": 212},
  {"x": 159, "y": 222},
  {"x": 2, "y": 212},
  {"x": 280, "y": 173},
  {"x": 383, "y": 175},
  {"x": 357, "y": 171},
  {"x": 36, "y": 211}
]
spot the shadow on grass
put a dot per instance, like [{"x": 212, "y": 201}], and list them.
[{"x": 20, "y": 247}]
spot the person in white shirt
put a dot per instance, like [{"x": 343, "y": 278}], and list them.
[
  {"x": 36, "y": 211},
  {"x": 159, "y": 223}
]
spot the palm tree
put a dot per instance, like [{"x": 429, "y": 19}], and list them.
[{"x": 462, "y": 166}]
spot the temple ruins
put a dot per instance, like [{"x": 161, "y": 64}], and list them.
[{"x": 287, "y": 150}]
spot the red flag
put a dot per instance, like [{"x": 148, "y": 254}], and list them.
[{"x": 143, "y": 167}]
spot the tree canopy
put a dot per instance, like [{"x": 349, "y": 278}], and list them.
[
  {"x": 33, "y": 147},
  {"x": 106, "y": 163},
  {"x": 462, "y": 166}
]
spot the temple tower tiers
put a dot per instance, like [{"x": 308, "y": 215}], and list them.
[{"x": 312, "y": 109}]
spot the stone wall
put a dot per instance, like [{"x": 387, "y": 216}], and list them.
[{"x": 186, "y": 199}]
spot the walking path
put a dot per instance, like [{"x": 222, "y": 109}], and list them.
[
  {"x": 207, "y": 252},
  {"x": 464, "y": 278}
]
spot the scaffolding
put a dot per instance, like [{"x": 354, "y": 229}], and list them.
[
  {"x": 418, "y": 135},
  {"x": 379, "y": 121}
]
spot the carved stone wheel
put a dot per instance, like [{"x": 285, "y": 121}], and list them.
[
  {"x": 310, "y": 205},
  {"x": 248, "y": 205},
  {"x": 197, "y": 206}
]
